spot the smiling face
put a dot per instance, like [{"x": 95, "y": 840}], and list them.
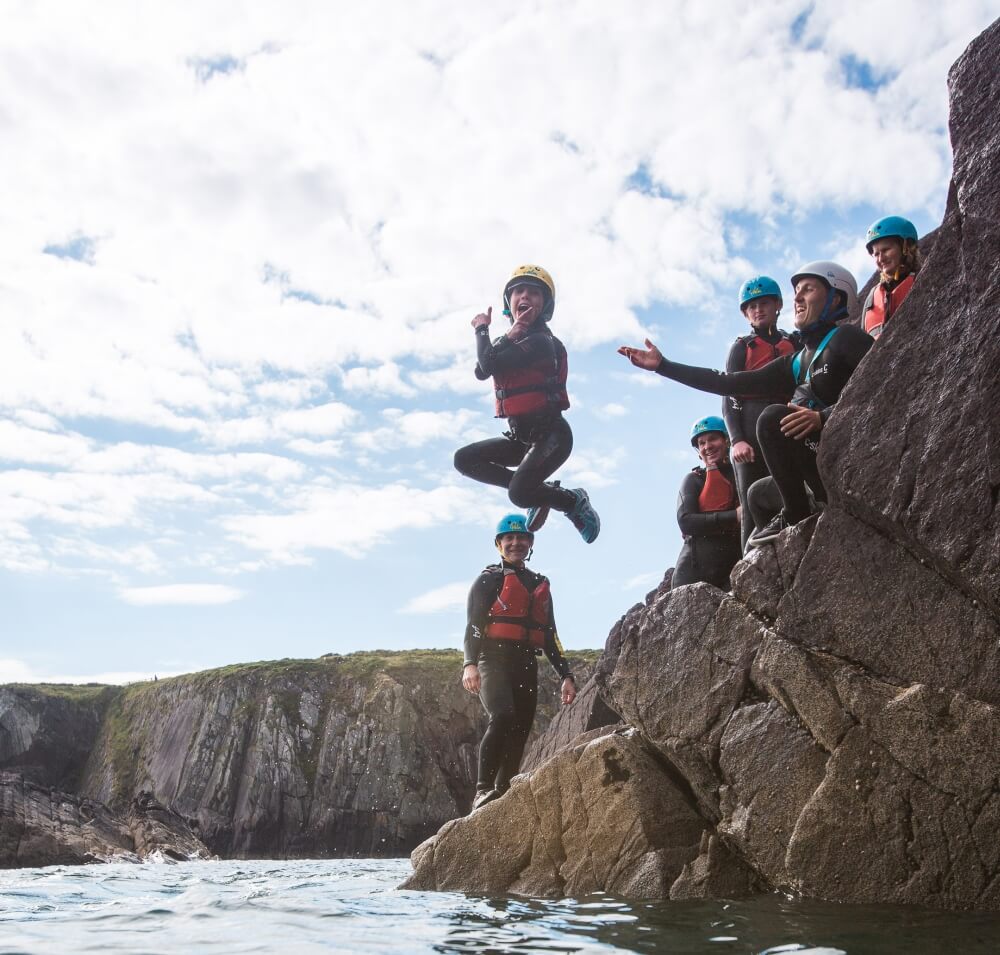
[
  {"x": 762, "y": 313},
  {"x": 712, "y": 447},
  {"x": 888, "y": 254},
  {"x": 810, "y": 298},
  {"x": 514, "y": 547},
  {"x": 526, "y": 302}
]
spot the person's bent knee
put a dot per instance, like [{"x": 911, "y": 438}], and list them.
[
  {"x": 465, "y": 459},
  {"x": 522, "y": 494}
]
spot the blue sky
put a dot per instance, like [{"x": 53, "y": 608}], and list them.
[{"x": 239, "y": 254}]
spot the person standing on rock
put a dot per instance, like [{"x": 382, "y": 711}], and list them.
[
  {"x": 510, "y": 623},
  {"x": 892, "y": 243},
  {"x": 529, "y": 367},
  {"x": 708, "y": 511},
  {"x": 789, "y": 434},
  {"x": 760, "y": 303}
]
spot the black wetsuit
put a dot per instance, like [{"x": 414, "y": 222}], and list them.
[
  {"x": 741, "y": 414},
  {"x": 536, "y": 445},
  {"x": 790, "y": 461},
  {"x": 508, "y": 671},
  {"x": 711, "y": 540}
]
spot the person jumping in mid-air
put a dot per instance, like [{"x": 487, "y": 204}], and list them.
[{"x": 528, "y": 367}]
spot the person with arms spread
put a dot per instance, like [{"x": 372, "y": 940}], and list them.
[
  {"x": 789, "y": 434},
  {"x": 708, "y": 511},
  {"x": 528, "y": 366},
  {"x": 510, "y": 623}
]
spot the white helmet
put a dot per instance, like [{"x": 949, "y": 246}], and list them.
[{"x": 836, "y": 276}]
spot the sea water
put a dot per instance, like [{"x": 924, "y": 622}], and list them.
[{"x": 354, "y": 906}]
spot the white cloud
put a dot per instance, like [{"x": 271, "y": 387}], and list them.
[
  {"x": 643, "y": 581},
  {"x": 416, "y": 428},
  {"x": 350, "y": 519},
  {"x": 174, "y": 594},
  {"x": 439, "y": 600},
  {"x": 17, "y": 671},
  {"x": 611, "y": 410}
]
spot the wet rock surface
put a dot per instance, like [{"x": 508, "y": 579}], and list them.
[
  {"x": 833, "y": 723},
  {"x": 41, "y": 826}
]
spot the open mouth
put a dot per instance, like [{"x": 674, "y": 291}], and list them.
[{"x": 524, "y": 309}]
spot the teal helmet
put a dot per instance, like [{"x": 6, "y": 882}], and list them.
[
  {"x": 890, "y": 227},
  {"x": 513, "y": 524},
  {"x": 758, "y": 287},
  {"x": 703, "y": 425}
]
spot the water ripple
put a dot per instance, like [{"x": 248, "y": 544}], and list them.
[{"x": 353, "y": 906}]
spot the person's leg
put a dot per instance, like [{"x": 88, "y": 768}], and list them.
[
  {"x": 764, "y": 501},
  {"x": 746, "y": 474},
  {"x": 547, "y": 452},
  {"x": 491, "y": 461},
  {"x": 524, "y": 686},
  {"x": 788, "y": 461},
  {"x": 497, "y": 695}
]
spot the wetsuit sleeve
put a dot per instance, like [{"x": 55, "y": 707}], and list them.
[
  {"x": 484, "y": 591},
  {"x": 689, "y": 517},
  {"x": 503, "y": 354},
  {"x": 774, "y": 378},
  {"x": 553, "y": 647},
  {"x": 732, "y": 406},
  {"x": 847, "y": 348}
]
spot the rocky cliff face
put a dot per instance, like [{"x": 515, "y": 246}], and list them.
[
  {"x": 831, "y": 727},
  {"x": 364, "y": 754}
]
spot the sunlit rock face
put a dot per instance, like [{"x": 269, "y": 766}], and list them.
[{"x": 832, "y": 726}]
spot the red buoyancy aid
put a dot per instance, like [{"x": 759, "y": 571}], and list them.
[
  {"x": 760, "y": 351},
  {"x": 538, "y": 387},
  {"x": 717, "y": 493},
  {"x": 885, "y": 305},
  {"x": 520, "y": 614}
]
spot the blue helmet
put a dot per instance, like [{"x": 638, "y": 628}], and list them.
[
  {"x": 890, "y": 227},
  {"x": 758, "y": 287},
  {"x": 513, "y": 524},
  {"x": 703, "y": 425}
]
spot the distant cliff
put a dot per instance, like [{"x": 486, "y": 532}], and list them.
[
  {"x": 831, "y": 727},
  {"x": 363, "y": 754}
]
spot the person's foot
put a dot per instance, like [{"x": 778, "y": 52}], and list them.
[
  {"x": 769, "y": 532},
  {"x": 583, "y": 516},
  {"x": 538, "y": 515},
  {"x": 484, "y": 796}
]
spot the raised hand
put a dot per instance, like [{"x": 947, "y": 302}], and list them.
[
  {"x": 649, "y": 359},
  {"x": 483, "y": 318}
]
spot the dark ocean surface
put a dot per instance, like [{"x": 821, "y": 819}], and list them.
[{"x": 353, "y": 905}]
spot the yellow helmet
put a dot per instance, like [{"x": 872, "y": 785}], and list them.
[{"x": 531, "y": 275}]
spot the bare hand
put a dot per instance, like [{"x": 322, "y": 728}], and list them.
[
  {"x": 739, "y": 513},
  {"x": 649, "y": 359},
  {"x": 743, "y": 452},
  {"x": 801, "y": 423},
  {"x": 568, "y": 691},
  {"x": 470, "y": 678},
  {"x": 483, "y": 319}
]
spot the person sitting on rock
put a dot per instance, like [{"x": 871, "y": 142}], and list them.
[
  {"x": 528, "y": 366},
  {"x": 892, "y": 243},
  {"x": 760, "y": 303},
  {"x": 789, "y": 434},
  {"x": 510, "y": 623},
  {"x": 708, "y": 511}
]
